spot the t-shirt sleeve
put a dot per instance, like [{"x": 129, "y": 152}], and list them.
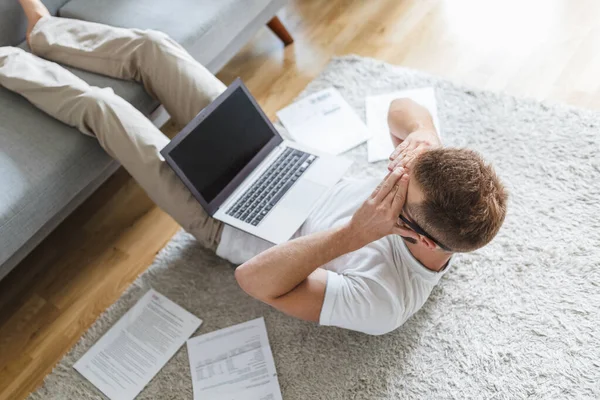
[{"x": 358, "y": 303}]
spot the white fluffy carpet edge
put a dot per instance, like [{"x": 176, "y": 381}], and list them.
[{"x": 517, "y": 319}]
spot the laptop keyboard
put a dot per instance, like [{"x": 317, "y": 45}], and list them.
[{"x": 262, "y": 196}]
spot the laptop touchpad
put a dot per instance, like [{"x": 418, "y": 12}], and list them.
[{"x": 302, "y": 196}]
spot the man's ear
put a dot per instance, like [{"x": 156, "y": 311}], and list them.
[{"x": 428, "y": 243}]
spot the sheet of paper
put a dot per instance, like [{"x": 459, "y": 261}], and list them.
[
  {"x": 380, "y": 145},
  {"x": 234, "y": 363},
  {"x": 324, "y": 121},
  {"x": 128, "y": 356}
]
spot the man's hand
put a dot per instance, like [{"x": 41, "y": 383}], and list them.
[
  {"x": 378, "y": 215},
  {"x": 412, "y": 130},
  {"x": 415, "y": 143}
]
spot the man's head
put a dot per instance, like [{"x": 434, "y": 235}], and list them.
[{"x": 455, "y": 198}]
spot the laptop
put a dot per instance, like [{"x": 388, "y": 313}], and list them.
[{"x": 244, "y": 173}]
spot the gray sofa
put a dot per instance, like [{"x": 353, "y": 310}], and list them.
[{"x": 47, "y": 168}]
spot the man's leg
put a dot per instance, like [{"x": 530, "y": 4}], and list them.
[
  {"x": 166, "y": 70},
  {"x": 123, "y": 132}
]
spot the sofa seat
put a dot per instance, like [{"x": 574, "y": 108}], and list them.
[
  {"x": 44, "y": 164},
  {"x": 200, "y": 26}
]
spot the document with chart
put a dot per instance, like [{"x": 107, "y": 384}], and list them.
[
  {"x": 324, "y": 121},
  {"x": 128, "y": 356},
  {"x": 234, "y": 363}
]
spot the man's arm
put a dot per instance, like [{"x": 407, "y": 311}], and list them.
[
  {"x": 288, "y": 276},
  {"x": 412, "y": 131}
]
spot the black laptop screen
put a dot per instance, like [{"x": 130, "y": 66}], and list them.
[{"x": 222, "y": 144}]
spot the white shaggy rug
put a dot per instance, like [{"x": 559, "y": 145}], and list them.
[{"x": 518, "y": 319}]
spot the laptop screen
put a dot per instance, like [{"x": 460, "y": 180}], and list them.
[{"x": 222, "y": 144}]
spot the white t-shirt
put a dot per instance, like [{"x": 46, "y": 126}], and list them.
[{"x": 374, "y": 289}]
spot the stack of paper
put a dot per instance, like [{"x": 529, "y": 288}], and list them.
[
  {"x": 324, "y": 121},
  {"x": 234, "y": 363},
  {"x": 380, "y": 145}
]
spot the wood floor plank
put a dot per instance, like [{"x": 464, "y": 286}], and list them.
[{"x": 24, "y": 326}]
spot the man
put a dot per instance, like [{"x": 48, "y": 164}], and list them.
[{"x": 369, "y": 255}]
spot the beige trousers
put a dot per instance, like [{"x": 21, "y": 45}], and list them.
[{"x": 167, "y": 72}]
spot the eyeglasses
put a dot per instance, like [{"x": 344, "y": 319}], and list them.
[{"x": 417, "y": 229}]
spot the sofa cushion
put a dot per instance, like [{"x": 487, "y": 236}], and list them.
[
  {"x": 13, "y": 23},
  {"x": 203, "y": 27},
  {"x": 44, "y": 164}
]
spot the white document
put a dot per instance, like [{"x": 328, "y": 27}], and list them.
[
  {"x": 234, "y": 363},
  {"x": 324, "y": 121},
  {"x": 380, "y": 146},
  {"x": 128, "y": 356}
]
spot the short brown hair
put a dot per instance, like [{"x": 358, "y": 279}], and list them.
[{"x": 465, "y": 202}]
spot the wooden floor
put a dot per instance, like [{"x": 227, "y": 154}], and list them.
[{"x": 546, "y": 49}]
